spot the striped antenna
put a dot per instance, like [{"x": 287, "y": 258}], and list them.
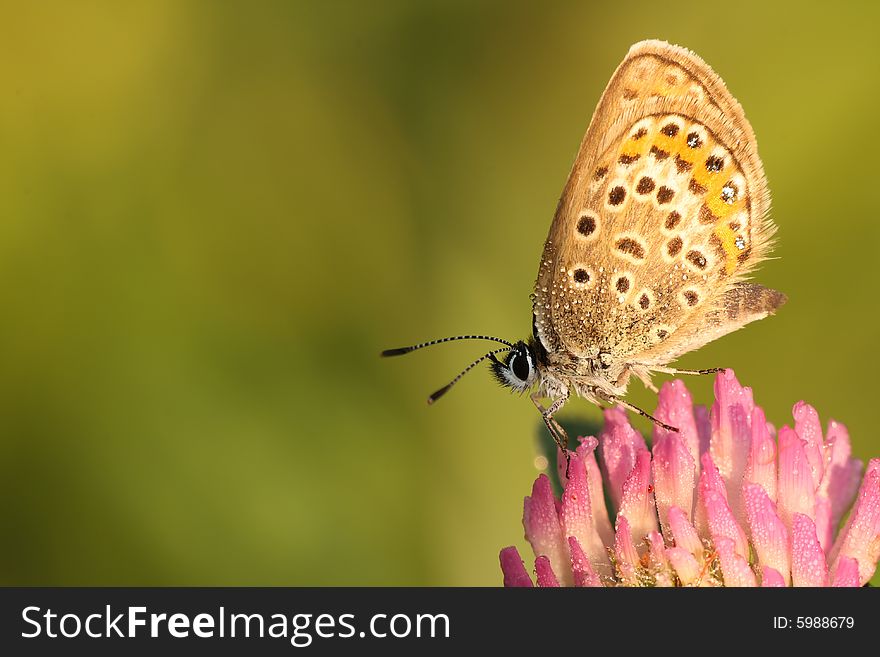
[
  {"x": 405, "y": 350},
  {"x": 437, "y": 395}
]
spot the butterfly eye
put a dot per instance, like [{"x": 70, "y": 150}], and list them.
[
  {"x": 520, "y": 366},
  {"x": 517, "y": 370}
]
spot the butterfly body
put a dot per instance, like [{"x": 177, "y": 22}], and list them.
[{"x": 663, "y": 217}]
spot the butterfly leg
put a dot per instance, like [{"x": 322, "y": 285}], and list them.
[
  {"x": 611, "y": 399},
  {"x": 642, "y": 373},
  {"x": 559, "y": 435},
  {"x": 674, "y": 371}
]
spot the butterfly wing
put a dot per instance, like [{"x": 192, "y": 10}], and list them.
[{"x": 663, "y": 214}]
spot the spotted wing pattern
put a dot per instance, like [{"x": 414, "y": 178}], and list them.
[{"x": 663, "y": 215}]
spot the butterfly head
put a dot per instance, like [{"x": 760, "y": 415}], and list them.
[{"x": 518, "y": 368}]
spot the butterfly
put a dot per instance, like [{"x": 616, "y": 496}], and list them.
[{"x": 662, "y": 219}]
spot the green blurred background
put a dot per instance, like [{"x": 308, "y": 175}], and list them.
[{"x": 213, "y": 215}]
